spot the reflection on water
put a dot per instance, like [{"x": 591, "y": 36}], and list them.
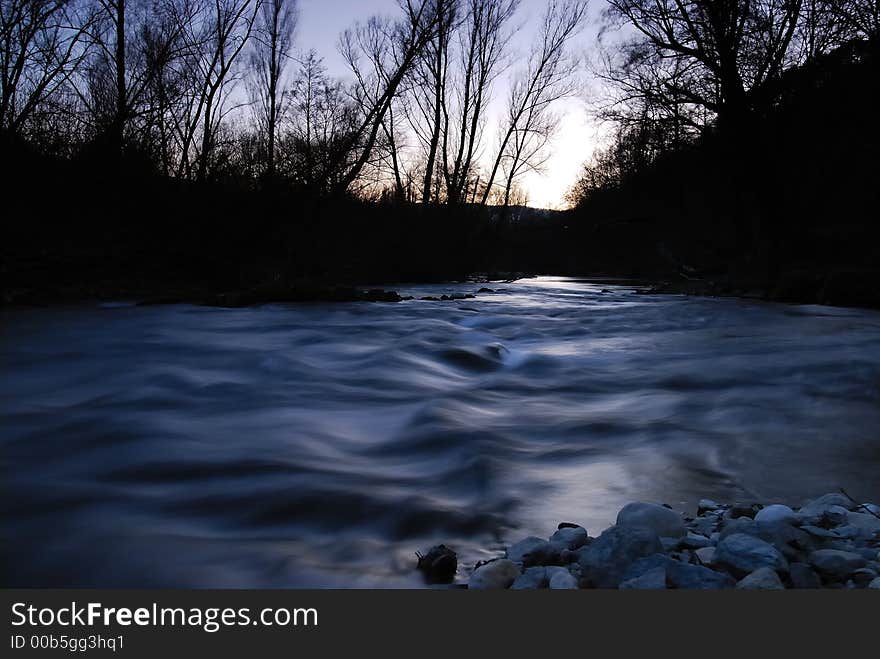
[{"x": 321, "y": 445}]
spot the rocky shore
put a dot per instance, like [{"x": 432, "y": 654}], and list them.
[{"x": 830, "y": 542}]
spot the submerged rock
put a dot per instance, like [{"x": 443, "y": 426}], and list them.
[
  {"x": 496, "y": 575},
  {"x": 659, "y": 519}
]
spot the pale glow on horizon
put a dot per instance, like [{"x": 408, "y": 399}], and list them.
[{"x": 322, "y": 21}]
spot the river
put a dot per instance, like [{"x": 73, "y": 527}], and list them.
[{"x": 321, "y": 445}]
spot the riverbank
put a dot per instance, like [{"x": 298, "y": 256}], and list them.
[
  {"x": 830, "y": 542},
  {"x": 837, "y": 288}
]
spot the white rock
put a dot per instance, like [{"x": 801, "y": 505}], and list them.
[
  {"x": 653, "y": 579},
  {"x": 570, "y": 538},
  {"x": 776, "y": 513},
  {"x": 496, "y": 575},
  {"x": 659, "y": 519},
  {"x": 706, "y": 555},
  {"x": 872, "y": 507},
  {"x": 531, "y": 579},
  {"x": 706, "y": 505},
  {"x": 563, "y": 580},
  {"x": 531, "y": 547},
  {"x": 763, "y": 578},
  {"x": 746, "y": 553},
  {"x": 836, "y": 563},
  {"x": 863, "y": 521},
  {"x": 816, "y": 506},
  {"x": 875, "y": 584}
]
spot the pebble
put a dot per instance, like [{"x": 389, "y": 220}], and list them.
[
  {"x": 831, "y": 542},
  {"x": 763, "y": 578},
  {"x": 533, "y": 551},
  {"x": 563, "y": 581},
  {"x": 495, "y": 575},
  {"x": 531, "y": 579},
  {"x": 705, "y": 505},
  {"x": 835, "y": 563},
  {"x": 746, "y": 553},
  {"x": 706, "y": 555},
  {"x": 570, "y": 538},
  {"x": 776, "y": 513},
  {"x": 653, "y": 579},
  {"x": 803, "y": 576},
  {"x": 605, "y": 560},
  {"x": 659, "y": 519}
]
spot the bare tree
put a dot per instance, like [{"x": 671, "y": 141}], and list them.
[
  {"x": 42, "y": 44},
  {"x": 858, "y": 18},
  {"x": 546, "y": 79},
  {"x": 271, "y": 55},
  {"x": 315, "y": 147},
  {"x": 736, "y": 45},
  {"x": 380, "y": 55},
  {"x": 481, "y": 48},
  {"x": 429, "y": 89},
  {"x": 215, "y": 39}
]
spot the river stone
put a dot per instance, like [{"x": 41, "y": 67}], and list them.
[
  {"x": 679, "y": 574},
  {"x": 836, "y": 564},
  {"x": 803, "y": 576},
  {"x": 745, "y": 553},
  {"x": 776, "y": 513},
  {"x": 875, "y": 584},
  {"x": 864, "y": 521},
  {"x": 704, "y": 525},
  {"x": 739, "y": 525},
  {"x": 532, "y": 578},
  {"x": 653, "y": 579},
  {"x": 659, "y": 519},
  {"x": 868, "y": 553},
  {"x": 818, "y": 506},
  {"x": 738, "y": 510},
  {"x": 563, "y": 580},
  {"x": 533, "y": 551},
  {"x": 605, "y": 559},
  {"x": 569, "y": 538},
  {"x": 706, "y": 505},
  {"x": 706, "y": 555},
  {"x": 694, "y": 541},
  {"x": 863, "y": 576},
  {"x": 763, "y": 578},
  {"x": 495, "y": 575}
]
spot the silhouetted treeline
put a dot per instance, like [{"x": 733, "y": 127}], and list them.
[
  {"x": 219, "y": 90},
  {"x": 744, "y": 149},
  {"x": 161, "y": 144}
]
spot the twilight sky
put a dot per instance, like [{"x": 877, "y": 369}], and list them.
[{"x": 321, "y": 22}]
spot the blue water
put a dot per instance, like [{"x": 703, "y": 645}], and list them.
[{"x": 323, "y": 444}]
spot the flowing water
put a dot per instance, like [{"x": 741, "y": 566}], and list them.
[{"x": 321, "y": 445}]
